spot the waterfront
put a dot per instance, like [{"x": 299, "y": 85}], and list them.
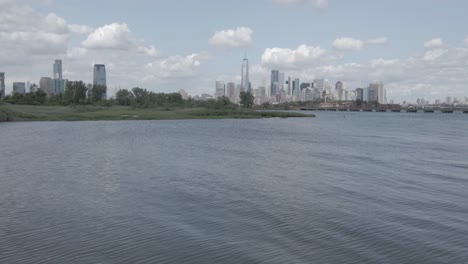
[{"x": 340, "y": 188}]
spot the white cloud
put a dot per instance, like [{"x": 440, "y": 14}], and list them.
[
  {"x": 434, "y": 43},
  {"x": 348, "y": 44},
  {"x": 466, "y": 41},
  {"x": 80, "y": 29},
  {"x": 38, "y": 42},
  {"x": 76, "y": 53},
  {"x": 292, "y": 58},
  {"x": 111, "y": 36},
  {"x": 173, "y": 67},
  {"x": 383, "y": 63},
  {"x": 320, "y": 4},
  {"x": 149, "y": 51},
  {"x": 434, "y": 54},
  {"x": 239, "y": 37},
  {"x": 378, "y": 41}
]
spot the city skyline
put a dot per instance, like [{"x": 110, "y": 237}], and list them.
[{"x": 416, "y": 56}]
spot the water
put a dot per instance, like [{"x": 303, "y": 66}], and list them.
[{"x": 340, "y": 188}]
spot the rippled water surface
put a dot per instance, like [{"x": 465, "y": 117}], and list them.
[{"x": 340, "y": 188}]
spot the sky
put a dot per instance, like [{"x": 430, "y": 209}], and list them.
[{"x": 418, "y": 48}]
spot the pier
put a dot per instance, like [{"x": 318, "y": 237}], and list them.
[{"x": 388, "y": 110}]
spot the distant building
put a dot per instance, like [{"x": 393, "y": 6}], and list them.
[
  {"x": 245, "y": 81},
  {"x": 220, "y": 89},
  {"x": 184, "y": 94},
  {"x": 58, "y": 84},
  {"x": 377, "y": 93},
  {"x": 99, "y": 76},
  {"x": 304, "y": 86},
  {"x": 45, "y": 84},
  {"x": 274, "y": 83},
  {"x": 319, "y": 84},
  {"x": 360, "y": 94},
  {"x": 2, "y": 84},
  {"x": 232, "y": 93},
  {"x": 340, "y": 91},
  {"x": 57, "y": 69},
  {"x": 19, "y": 87}
]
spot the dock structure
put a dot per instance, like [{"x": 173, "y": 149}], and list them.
[{"x": 385, "y": 110}]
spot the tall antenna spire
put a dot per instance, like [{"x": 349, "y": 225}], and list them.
[{"x": 245, "y": 54}]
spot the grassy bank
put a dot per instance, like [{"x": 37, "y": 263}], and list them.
[{"x": 82, "y": 113}]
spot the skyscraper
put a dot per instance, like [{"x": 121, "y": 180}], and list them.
[
  {"x": 274, "y": 90},
  {"x": 220, "y": 89},
  {"x": 58, "y": 84},
  {"x": 58, "y": 69},
  {"x": 359, "y": 94},
  {"x": 99, "y": 76},
  {"x": 231, "y": 92},
  {"x": 2, "y": 84},
  {"x": 45, "y": 84},
  {"x": 377, "y": 93},
  {"x": 245, "y": 82},
  {"x": 340, "y": 90},
  {"x": 19, "y": 87}
]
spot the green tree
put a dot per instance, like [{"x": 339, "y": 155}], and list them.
[
  {"x": 97, "y": 93},
  {"x": 124, "y": 97},
  {"x": 75, "y": 93},
  {"x": 246, "y": 99},
  {"x": 141, "y": 97}
]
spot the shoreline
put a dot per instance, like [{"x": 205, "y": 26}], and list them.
[{"x": 31, "y": 113}]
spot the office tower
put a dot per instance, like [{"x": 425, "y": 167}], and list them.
[
  {"x": 2, "y": 84},
  {"x": 377, "y": 92},
  {"x": 245, "y": 82},
  {"x": 340, "y": 90},
  {"x": 45, "y": 84},
  {"x": 19, "y": 87},
  {"x": 99, "y": 76},
  {"x": 57, "y": 69},
  {"x": 219, "y": 92},
  {"x": 449, "y": 100},
  {"x": 304, "y": 86},
  {"x": 359, "y": 94},
  {"x": 274, "y": 83},
  {"x": 319, "y": 84},
  {"x": 58, "y": 84},
  {"x": 281, "y": 81},
  {"x": 297, "y": 85},
  {"x": 231, "y": 92},
  {"x": 290, "y": 87},
  {"x": 365, "y": 94}
]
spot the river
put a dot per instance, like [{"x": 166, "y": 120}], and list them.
[{"x": 339, "y": 188}]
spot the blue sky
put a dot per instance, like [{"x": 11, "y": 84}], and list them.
[{"x": 417, "y": 48}]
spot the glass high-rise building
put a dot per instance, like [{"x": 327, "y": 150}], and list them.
[
  {"x": 58, "y": 84},
  {"x": 45, "y": 84},
  {"x": 19, "y": 87},
  {"x": 245, "y": 82},
  {"x": 274, "y": 90},
  {"x": 99, "y": 77},
  {"x": 2, "y": 84},
  {"x": 360, "y": 94},
  {"x": 377, "y": 93},
  {"x": 220, "y": 89},
  {"x": 340, "y": 90},
  {"x": 58, "y": 70}
]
